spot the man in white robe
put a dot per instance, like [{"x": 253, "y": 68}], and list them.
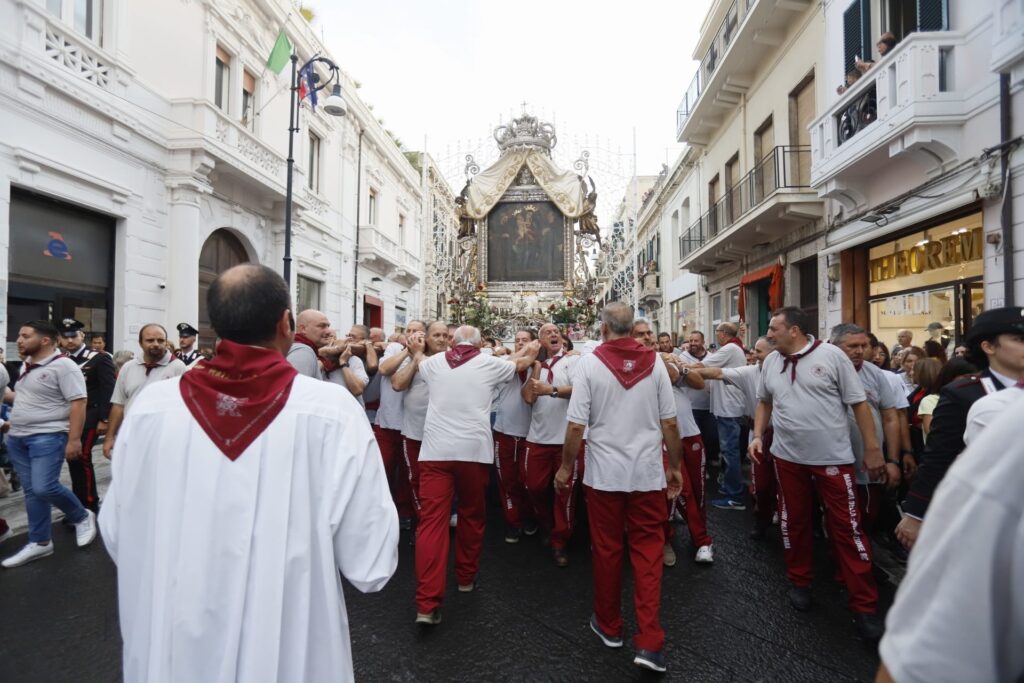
[{"x": 247, "y": 489}]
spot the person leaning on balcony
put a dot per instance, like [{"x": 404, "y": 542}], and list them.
[
  {"x": 884, "y": 44},
  {"x": 852, "y": 76}
]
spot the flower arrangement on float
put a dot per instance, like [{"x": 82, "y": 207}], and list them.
[{"x": 573, "y": 311}]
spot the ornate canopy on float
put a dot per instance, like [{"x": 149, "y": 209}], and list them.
[{"x": 525, "y": 224}]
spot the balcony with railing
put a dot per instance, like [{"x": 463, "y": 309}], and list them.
[
  {"x": 725, "y": 73},
  {"x": 759, "y": 209},
  {"x": 912, "y": 100},
  {"x": 378, "y": 251},
  {"x": 410, "y": 271}
]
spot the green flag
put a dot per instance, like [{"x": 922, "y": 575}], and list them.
[{"x": 281, "y": 53}]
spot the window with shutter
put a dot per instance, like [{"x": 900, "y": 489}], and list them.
[
  {"x": 932, "y": 15},
  {"x": 856, "y": 33}
]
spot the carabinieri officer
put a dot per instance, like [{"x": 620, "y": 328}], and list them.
[
  {"x": 187, "y": 351},
  {"x": 100, "y": 376}
]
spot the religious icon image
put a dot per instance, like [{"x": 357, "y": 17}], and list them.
[{"x": 525, "y": 242}]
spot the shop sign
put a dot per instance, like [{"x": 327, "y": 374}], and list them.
[{"x": 948, "y": 251}]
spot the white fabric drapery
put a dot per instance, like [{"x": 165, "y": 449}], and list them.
[{"x": 563, "y": 187}]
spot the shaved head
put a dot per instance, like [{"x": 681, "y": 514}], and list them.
[{"x": 313, "y": 325}]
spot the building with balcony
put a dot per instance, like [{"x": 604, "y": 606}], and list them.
[
  {"x": 909, "y": 156},
  {"x": 144, "y": 151},
  {"x": 745, "y": 218},
  {"x": 623, "y": 256}
]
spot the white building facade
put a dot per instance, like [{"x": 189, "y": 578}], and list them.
[
  {"x": 144, "y": 151},
  {"x": 911, "y": 157}
]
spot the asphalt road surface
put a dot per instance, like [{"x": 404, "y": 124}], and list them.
[{"x": 526, "y": 621}]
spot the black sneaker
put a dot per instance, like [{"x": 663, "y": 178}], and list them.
[
  {"x": 530, "y": 529},
  {"x": 649, "y": 659},
  {"x": 429, "y": 618},
  {"x": 561, "y": 557},
  {"x": 869, "y": 627},
  {"x": 512, "y": 535},
  {"x": 800, "y": 598},
  {"x": 606, "y": 638}
]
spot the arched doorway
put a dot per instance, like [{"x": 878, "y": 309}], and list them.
[{"x": 221, "y": 251}]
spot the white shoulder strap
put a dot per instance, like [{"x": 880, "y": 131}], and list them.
[{"x": 988, "y": 385}]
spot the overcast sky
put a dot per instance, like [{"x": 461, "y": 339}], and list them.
[{"x": 449, "y": 70}]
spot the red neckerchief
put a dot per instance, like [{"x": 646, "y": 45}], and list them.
[
  {"x": 629, "y": 360},
  {"x": 29, "y": 367},
  {"x": 550, "y": 363},
  {"x": 737, "y": 342},
  {"x": 236, "y": 396},
  {"x": 328, "y": 365},
  {"x": 791, "y": 360},
  {"x": 462, "y": 353}
]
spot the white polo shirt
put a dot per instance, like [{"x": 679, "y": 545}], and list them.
[
  {"x": 547, "y": 419},
  {"x": 512, "y": 412},
  {"x": 726, "y": 400},
  {"x": 355, "y": 364},
  {"x": 881, "y": 395},
  {"x": 132, "y": 377},
  {"x": 415, "y": 402},
  {"x": 624, "y": 443},
  {"x": 389, "y": 414},
  {"x": 809, "y": 414},
  {"x": 684, "y": 409},
  {"x": 958, "y": 614},
  {"x": 700, "y": 399},
  {"x": 747, "y": 379},
  {"x": 458, "y": 419}
]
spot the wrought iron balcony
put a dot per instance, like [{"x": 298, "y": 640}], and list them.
[{"x": 784, "y": 168}]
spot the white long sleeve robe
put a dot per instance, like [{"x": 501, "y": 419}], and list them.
[{"x": 228, "y": 571}]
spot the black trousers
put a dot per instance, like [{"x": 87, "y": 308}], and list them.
[
  {"x": 83, "y": 477},
  {"x": 709, "y": 432}
]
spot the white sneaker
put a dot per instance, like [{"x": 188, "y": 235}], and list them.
[
  {"x": 453, "y": 521},
  {"x": 705, "y": 555},
  {"x": 32, "y": 551},
  {"x": 85, "y": 531},
  {"x": 668, "y": 555}
]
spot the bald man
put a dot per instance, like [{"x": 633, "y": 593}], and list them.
[{"x": 312, "y": 329}]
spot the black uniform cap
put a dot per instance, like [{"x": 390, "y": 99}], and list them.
[
  {"x": 186, "y": 330},
  {"x": 991, "y": 324},
  {"x": 69, "y": 327}
]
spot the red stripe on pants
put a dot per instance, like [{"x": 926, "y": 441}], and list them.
[
  {"x": 835, "y": 485},
  {"x": 391, "y": 452},
  {"x": 555, "y": 511},
  {"x": 763, "y": 484},
  {"x": 642, "y": 515},
  {"x": 411, "y": 460},
  {"x": 439, "y": 481},
  {"x": 83, "y": 476},
  {"x": 510, "y": 486}
]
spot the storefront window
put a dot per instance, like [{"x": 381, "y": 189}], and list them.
[{"x": 931, "y": 276}]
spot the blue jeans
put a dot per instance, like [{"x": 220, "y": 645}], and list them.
[
  {"x": 729, "y": 437},
  {"x": 38, "y": 460}
]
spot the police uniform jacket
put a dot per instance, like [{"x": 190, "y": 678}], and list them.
[
  {"x": 946, "y": 438},
  {"x": 100, "y": 378},
  {"x": 190, "y": 357}
]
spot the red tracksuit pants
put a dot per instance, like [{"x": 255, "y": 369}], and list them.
[
  {"x": 508, "y": 451},
  {"x": 392, "y": 454},
  {"x": 835, "y": 485},
  {"x": 763, "y": 484},
  {"x": 642, "y": 514},
  {"x": 691, "y": 500},
  {"x": 411, "y": 462},
  {"x": 439, "y": 481},
  {"x": 555, "y": 511}
]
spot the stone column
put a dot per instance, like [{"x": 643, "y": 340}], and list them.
[{"x": 183, "y": 248}]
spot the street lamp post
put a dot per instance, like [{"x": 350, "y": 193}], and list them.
[{"x": 334, "y": 105}]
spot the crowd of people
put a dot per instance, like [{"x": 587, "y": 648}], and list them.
[{"x": 828, "y": 435}]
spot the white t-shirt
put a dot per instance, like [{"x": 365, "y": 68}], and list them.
[
  {"x": 684, "y": 410},
  {"x": 389, "y": 414},
  {"x": 355, "y": 364},
  {"x": 959, "y": 612},
  {"x": 986, "y": 409},
  {"x": 809, "y": 414},
  {"x": 458, "y": 419},
  {"x": 747, "y": 379},
  {"x": 726, "y": 400},
  {"x": 700, "y": 399},
  {"x": 881, "y": 395},
  {"x": 624, "y": 441},
  {"x": 513, "y": 413},
  {"x": 547, "y": 419},
  {"x": 415, "y": 402}
]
